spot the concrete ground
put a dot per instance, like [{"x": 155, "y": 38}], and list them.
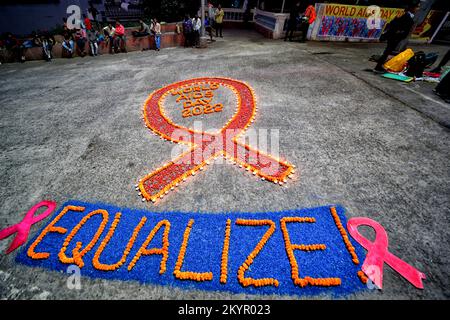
[{"x": 72, "y": 129}]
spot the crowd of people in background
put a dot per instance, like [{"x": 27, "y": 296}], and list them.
[
  {"x": 81, "y": 38},
  {"x": 192, "y": 26},
  {"x": 300, "y": 18},
  {"x": 87, "y": 34}
]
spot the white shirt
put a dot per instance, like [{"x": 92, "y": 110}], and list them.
[{"x": 197, "y": 24}]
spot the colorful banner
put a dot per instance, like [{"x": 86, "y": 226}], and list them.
[
  {"x": 341, "y": 22},
  {"x": 295, "y": 252},
  {"x": 425, "y": 31}
]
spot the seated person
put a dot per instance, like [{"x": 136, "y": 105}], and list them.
[
  {"x": 143, "y": 31},
  {"x": 48, "y": 41},
  {"x": 67, "y": 46},
  {"x": 34, "y": 41},
  {"x": 80, "y": 38},
  {"x": 119, "y": 37},
  {"x": 108, "y": 32},
  {"x": 93, "y": 42},
  {"x": 12, "y": 45}
]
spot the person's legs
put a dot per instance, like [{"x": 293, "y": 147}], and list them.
[
  {"x": 115, "y": 44},
  {"x": 22, "y": 54},
  {"x": 209, "y": 30},
  {"x": 391, "y": 45},
  {"x": 138, "y": 34},
  {"x": 123, "y": 41},
  {"x": 191, "y": 39},
  {"x": 67, "y": 49},
  {"x": 46, "y": 52},
  {"x": 50, "y": 50},
  {"x": 197, "y": 37},
  {"x": 443, "y": 62},
  {"x": 81, "y": 47},
  {"x": 220, "y": 29},
  {"x": 290, "y": 30},
  {"x": 158, "y": 41},
  {"x": 305, "y": 27}
]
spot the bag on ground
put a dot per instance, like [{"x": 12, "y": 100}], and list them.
[
  {"x": 398, "y": 63},
  {"x": 416, "y": 65}
]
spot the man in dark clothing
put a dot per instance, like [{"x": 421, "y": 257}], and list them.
[
  {"x": 143, "y": 31},
  {"x": 292, "y": 22},
  {"x": 398, "y": 30},
  {"x": 13, "y": 45}
]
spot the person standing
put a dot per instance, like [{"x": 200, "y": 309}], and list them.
[
  {"x": 219, "y": 21},
  {"x": 196, "y": 25},
  {"x": 187, "y": 31},
  {"x": 208, "y": 27},
  {"x": 292, "y": 22},
  {"x": 157, "y": 32},
  {"x": 308, "y": 18},
  {"x": 398, "y": 30}
]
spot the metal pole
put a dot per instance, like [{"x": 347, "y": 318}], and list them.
[
  {"x": 282, "y": 7},
  {"x": 203, "y": 18}
]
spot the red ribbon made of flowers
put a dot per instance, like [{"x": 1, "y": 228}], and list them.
[{"x": 206, "y": 146}]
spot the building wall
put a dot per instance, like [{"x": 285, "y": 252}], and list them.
[{"x": 22, "y": 19}]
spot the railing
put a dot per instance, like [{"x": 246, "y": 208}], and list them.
[
  {"x": 236, "y": 15},
  {"x": 275, "y": 23}
]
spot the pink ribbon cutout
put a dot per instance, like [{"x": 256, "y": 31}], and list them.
[
  {"x": 23, "y": 228},
  {"x": 378, "y": 254}
]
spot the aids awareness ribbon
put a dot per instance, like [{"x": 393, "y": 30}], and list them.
[
  {"x": 206, "y": 146},
  {"x": 378, "y": 254},
  {"x": 23, "y": 228}
]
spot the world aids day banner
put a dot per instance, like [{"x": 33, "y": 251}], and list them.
[
  {"x": 338, "y": 22},
  {"x": 294, "y": 251},
  {"x": 341, "y": 22}
]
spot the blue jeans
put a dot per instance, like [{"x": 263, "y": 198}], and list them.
[
  {"x": 68, "y": 45},
  {"x": 158, "y": 41}
]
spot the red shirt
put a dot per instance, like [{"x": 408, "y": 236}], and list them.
[
  {"x": 88, "y": 24},
  {"x": 311, "y": 14},
  {"x": 120, "y": 30}
]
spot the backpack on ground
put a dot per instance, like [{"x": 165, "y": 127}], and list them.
[{"x": 416, "y": 65}]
